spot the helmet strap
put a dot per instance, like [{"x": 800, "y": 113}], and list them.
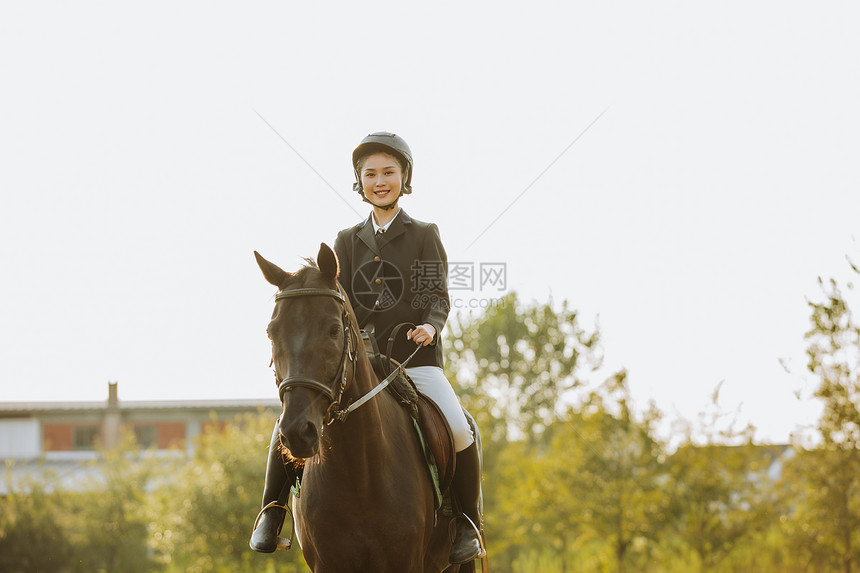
[{"x": 388, "y": 207}]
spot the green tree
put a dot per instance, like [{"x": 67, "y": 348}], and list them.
[
  {"x": 821, "y": 527},
  {"x": 511, "y": 366},
  {"x": 563, "y": 485},
  {"x": 589, "y": 499},
  {"x": 516, "y": 362},
  {"x": 826, "y": 479},
  {"x": 618, "y": 482},
  {"x": 722, "y": 492},
  {"x": 834, "y": 358},
  {"x": 723, "y": 497},
  {"x": 101, "y": 527},
  {"x": 205, "y": 513},
  {"x": 31, "y": 540},
  {"x": 108, "y": 521}
]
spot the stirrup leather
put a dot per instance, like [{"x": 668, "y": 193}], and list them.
[{"x": 282, "y": 543}]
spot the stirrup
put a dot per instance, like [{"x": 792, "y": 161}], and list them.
[
  {"x": 282, "y": 543},
  {"x": 452, "y": 534}
]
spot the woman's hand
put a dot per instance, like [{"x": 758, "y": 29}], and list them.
[{"x": 422, "y": 335}]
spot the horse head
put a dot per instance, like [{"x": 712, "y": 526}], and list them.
[{"x": 312, "y": 348}]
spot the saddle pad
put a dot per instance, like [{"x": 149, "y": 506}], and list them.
[{"x": 439, "y": 438}]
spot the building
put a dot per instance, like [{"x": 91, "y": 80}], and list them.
[{"x": 58, "y": 436}]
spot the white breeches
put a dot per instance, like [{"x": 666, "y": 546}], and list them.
[{"x": 431, "y": 381}]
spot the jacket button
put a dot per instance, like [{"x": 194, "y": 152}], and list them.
[
  {"x": 376, "y": 259},
  {"x": 378, "y": 281}
]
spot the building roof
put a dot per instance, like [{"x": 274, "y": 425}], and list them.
[{"x": 23, "y": 408}]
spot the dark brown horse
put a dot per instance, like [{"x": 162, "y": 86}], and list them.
[{"x": 366, "y": 500}]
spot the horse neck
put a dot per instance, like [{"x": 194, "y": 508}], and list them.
[{"x": 361, "y": 442}]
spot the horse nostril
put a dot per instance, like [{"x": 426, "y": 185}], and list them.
[
  {"x": 310, "y": 432},
  {"x": 301, "y": 438}
]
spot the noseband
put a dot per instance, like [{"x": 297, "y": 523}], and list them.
[{"x": 328, "y": 390}]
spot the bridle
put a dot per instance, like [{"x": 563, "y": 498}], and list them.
[{"x": 348, "y": 355}]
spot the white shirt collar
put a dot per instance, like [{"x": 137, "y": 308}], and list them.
[{"x": 383, "y": 227}]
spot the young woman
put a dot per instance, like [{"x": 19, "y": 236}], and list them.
[{"x": 394, "y": 270}]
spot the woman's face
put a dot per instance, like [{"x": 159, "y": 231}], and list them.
[{"x": 381, "y": 179}]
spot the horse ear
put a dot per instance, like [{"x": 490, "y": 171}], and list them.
[
  {"x": 273, "y": 273},
  {"x": 327, "y": 261}
]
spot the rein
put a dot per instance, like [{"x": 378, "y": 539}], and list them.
[
  {"x": 342, "y": 414},
  {"x": 334, "y": 411}
]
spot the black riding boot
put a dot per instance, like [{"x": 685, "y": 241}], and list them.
[
  {"x": 467, "y": 489},
  {"x": 276, "y": 492}
]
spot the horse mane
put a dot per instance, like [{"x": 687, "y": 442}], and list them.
[
  {"x": 305, "y": 271},
  {"x": 310, "y": 263}
]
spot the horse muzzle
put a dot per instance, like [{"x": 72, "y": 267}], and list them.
[{"x": 301, "y": 437}]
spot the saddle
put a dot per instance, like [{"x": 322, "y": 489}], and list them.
[{"x": 433, "y": 431}]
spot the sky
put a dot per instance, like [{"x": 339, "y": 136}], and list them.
[{"x": 681, "y": 173}]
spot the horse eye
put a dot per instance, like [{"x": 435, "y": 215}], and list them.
[{"x": 334, "y": 331}]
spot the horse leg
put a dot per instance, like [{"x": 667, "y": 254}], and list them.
[{"x": 276, "y": 494}]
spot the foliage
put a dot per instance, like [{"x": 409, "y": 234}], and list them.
[
  {"x": 148, "y": 513},
  {"x": 722, "y": 496},
  {"x": 576, "y": 477},
  {"x": 721, "y": 487},
  {"x": 618, "y": 482},
  {"x": 102, "y": 528},
  {"x": 109, "y": 521},
  {"x": 591, "y": 498},
  {"x": 207, "y": 510},
  {"x": 511, "y": 366},
  {"x": 834, "y": 357},
  {"x": 28, "y": 520},
  {"x": 518, "y": 361},
  {"x": 824, "y": 526}
]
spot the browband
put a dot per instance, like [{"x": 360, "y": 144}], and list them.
[{"x": 310, "y": 292}]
